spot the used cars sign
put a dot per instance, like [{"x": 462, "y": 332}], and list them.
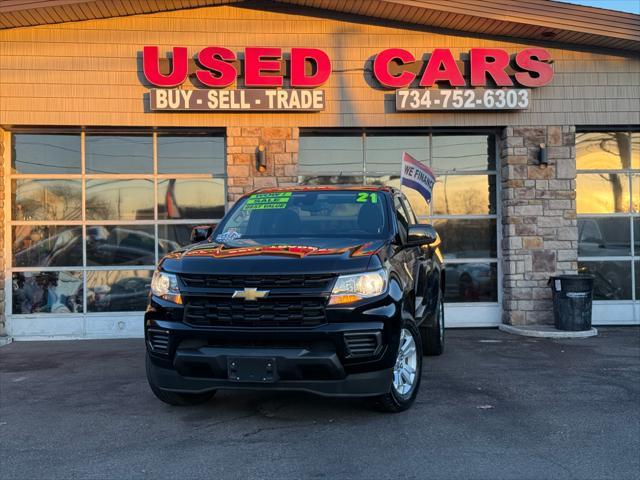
[{"x": 505, "y": 78}]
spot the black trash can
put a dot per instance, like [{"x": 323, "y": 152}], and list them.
[{"x": 572, "y": 297}]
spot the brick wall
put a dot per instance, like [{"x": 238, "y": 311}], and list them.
[
  {"x": 540, "y": 233},
  {"x": 281, "y": 147}
]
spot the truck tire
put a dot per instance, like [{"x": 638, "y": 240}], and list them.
[
  {"x": 175, "y": 398},
  {"x": 407, "y": 373},
  {"x": 433, "y": 337}
]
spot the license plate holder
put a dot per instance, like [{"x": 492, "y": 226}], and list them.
[{"x": 252, "y": 369}]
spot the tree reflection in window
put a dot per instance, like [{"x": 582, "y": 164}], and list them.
[{"x": 607, "y": 184}]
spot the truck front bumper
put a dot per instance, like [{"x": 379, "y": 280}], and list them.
[
  {"x": 287, "y": 362},
  {"x": 353, "y": 354}
]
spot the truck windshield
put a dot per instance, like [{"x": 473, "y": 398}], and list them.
[{"x": 334, "y": 214}]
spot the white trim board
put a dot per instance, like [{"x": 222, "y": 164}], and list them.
[
  {"x": 465, "y": 315},
  {"x": 616, "y": 313},
  {"x": 56, "y": 327}
]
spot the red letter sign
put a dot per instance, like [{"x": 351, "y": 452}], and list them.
[
  {"x": 534, "y": 60},
  {"x": 381, "y": 68},
  {"x": 254, "y": 65},
  {"x": 151, "y": 70},
  {"x": 480, "y": 66},
  {"x": 212, "y": 58},
  {"x": 299, "y": 57},
  {"x": 433, "y": 73}
]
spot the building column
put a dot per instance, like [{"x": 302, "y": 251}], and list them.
[
  {"x": 281, "y": 154},
  {"x": 539, "y": 226}
]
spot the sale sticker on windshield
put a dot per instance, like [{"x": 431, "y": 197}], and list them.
[
  {"x": 228, "y": 236},
  {"x": 267, "y": 201}
]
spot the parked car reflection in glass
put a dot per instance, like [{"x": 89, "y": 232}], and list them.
[
  {"x": 47, "y": 292},
  {"x": 471, "y": 282},
  {"x": 46, "y": 246},
  {"x": 604, "y": 237},
  {"x": 174, "y": 236},
  {"x": 612, "y": 278},
  {"x": 121, "y": 245},
  {"x": 117, "y": 290}
]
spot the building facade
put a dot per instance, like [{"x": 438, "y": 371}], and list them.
[{"x": 111, "y": 155}]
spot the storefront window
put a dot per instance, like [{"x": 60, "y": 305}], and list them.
[
  {"x": 463, "y": 208},
  {"x": 46, "y": 245},
  {"x": 612, "y": 279},
  {"x": 191, "y": 154},
  {"x": 172, "y": 236},
  {"x": 119, "y": 153},
  {"x": 464, "y": 195},
  {"x": 120, "y": 245},
  {"x": 117, "y": 290},
  {"x": 45, "y": 154},
  {"x": 55, "y": 199},
  {"x": 47, "y": 292},
  {"x": 88, "y": 238},
  {"x": 109, "y": 199},
  {"x": 331, "y": 155},
  {"x": 383, "y": 153},
  {"x": 191, "y": 198},
  {"x": 459, "y": 153},
  {"x": 603, "y": 192},
  {"x": 467, "y": 238},
  {"x": 608, "y": 199}
]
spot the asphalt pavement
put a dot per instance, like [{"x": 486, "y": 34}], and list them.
[{"x": 494, "y": 406}]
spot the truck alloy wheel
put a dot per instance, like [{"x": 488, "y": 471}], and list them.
[
  {"x": 407, "y": 372},
  {"x": 404, "y": 371}
]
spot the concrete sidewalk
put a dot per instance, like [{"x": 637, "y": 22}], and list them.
[{"x": 494, "y": 406}]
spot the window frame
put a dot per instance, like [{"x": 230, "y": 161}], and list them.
[
  {"x": 83, "y": 222},
  {"x": 632, "y": 173}
]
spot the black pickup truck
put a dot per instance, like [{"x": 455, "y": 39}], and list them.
[{"x": 332, "y": 290}]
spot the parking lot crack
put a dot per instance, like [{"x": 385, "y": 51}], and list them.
[{"x": 257, "y": 431}]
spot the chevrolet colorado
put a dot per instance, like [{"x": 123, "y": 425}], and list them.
[{"x": 332, "y": 290}]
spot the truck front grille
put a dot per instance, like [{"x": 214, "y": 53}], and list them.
[
  {"x": 261, "y": 282},
  {"x": 268, "y": 312}
]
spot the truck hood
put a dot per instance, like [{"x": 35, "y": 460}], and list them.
[{"x": 248, "y": 256}]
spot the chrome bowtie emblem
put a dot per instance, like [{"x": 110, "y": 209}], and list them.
[{"x": 251, "y": 294}]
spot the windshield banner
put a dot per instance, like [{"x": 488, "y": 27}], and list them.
[{"x": 417, "y": 176}]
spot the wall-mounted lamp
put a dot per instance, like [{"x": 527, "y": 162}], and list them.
[
  {"x": 261, "y": 159},
  {"x": 542, "y": 155}
]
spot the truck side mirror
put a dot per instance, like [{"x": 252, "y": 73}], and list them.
[
  {"x": 419, "y": 235},
  {"x": 200, "y": 233}
]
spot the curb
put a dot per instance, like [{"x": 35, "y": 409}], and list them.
[
  {"x": 5, "y": 340},
  {"x": 546, "y": 331}
]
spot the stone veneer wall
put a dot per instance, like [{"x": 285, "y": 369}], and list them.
[
  {"x": 281, "y": 146},
  {"x": 540, "y": 233}
]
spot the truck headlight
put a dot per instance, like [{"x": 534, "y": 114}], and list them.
[
  {"x": 351, "y": 288},
  {"x": 165, "y": 286}
]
